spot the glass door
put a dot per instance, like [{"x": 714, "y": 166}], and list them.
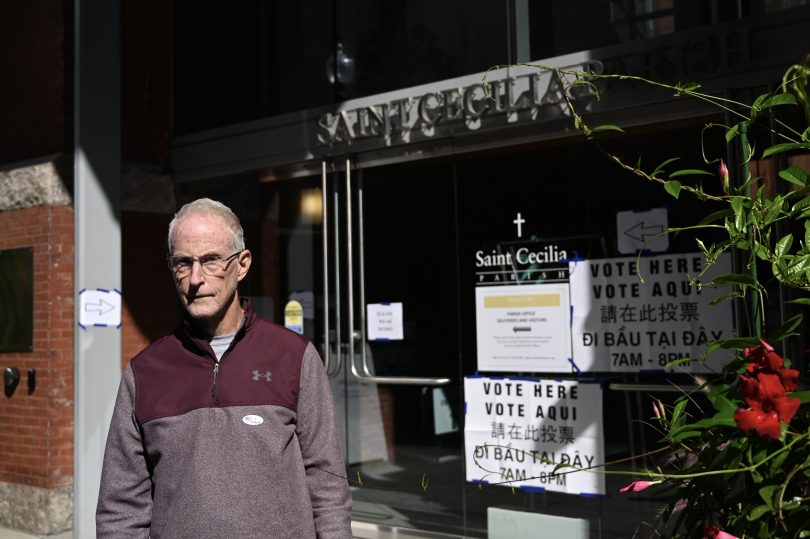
[{"x": 400, "y": 384}]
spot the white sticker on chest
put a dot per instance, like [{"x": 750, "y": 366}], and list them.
[{"x": 252, "y": 420}]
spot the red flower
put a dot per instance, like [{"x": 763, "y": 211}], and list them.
[
  {"x": 638, "y": 486},
  {"x": 789, "y": 378},
  {"x": 762, "y": 357},
  {"x": 768, "y": 403}
]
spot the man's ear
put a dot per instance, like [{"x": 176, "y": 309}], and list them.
[{"x": 244, "y": 259}]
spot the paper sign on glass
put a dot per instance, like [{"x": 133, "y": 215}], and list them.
[{"x": 384, "y": 321}]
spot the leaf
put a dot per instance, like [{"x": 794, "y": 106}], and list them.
[
  {"x": 786, "y": 147},
  {"x": 660, "y": 167},
  {"x": 786, "y": 329},
  {"x": 673, "y": 188},
  {"x": 783, "y": 246},
  {"x": 725, "y": 297},
  {"x": 685, "y": 435},
  {"x": 731, "y": 133},
  {"x": 803, "y": 396},
  {"x": 794, "y": 174},
  {"x": 799, "y": 301},
  {"x": 722, "y": 404},
  {"x": 776, "y": 463},
  {"x": 736, "y": 344},
  {"x": 778, "y": 99},
  {"x": 686, "y": 87},
  {"x": 767, "y": 493},
  {"x": 681, "y": 361},
  {"x": 606, "y": 127},
  {"x": 714, "y": 422},
  {"x": 690, "y": 172},
  {"x": 678, "y": 411},
  {"x": 739, "y": 279},
  {"x": 773, "y": 210},
  {"x": 761, "y": 251},
  {"x": 716, "y": 216},
  {"x": 739, "y": 215},
  {"x": 801, "y": 205},
  {"x": 756, "y": 106},
  {"x": 757, "y": 512}
]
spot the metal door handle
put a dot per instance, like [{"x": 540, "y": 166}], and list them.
[
  {"x": 366, "y": 376},
  {"x": 331, "y": 371}
]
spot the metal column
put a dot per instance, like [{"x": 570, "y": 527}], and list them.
[{"x": 97, "y": 165}]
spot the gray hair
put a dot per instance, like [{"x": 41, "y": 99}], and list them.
[{"x": 208, "y": 207}]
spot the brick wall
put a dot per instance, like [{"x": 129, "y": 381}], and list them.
[{"x": 36, "y": 438}]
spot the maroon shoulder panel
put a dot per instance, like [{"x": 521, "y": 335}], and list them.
[{"x": 177, "y": 373}]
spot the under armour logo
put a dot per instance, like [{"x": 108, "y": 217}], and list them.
[{"x": 267, "y": 375}]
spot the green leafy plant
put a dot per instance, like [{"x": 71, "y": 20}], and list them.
[{"x": 742, "y": 468}]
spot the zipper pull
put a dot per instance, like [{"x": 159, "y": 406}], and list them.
[{"x": 214, "y": 387}]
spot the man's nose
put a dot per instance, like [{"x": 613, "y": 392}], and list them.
[{"x": 197, "y": 276}]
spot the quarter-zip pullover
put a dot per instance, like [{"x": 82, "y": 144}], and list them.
[{"x": 246, "y": 447}]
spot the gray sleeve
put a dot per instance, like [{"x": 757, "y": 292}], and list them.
[
  {"x": 320, "y": 446},
  {"x": 125, "y": 497}
]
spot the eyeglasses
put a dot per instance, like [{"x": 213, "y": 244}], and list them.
[{"x": 212, "y": 265}]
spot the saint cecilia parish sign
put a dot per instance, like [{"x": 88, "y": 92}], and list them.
[{"x": 466, "y": 104}]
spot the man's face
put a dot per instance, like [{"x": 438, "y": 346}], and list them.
[{"x": 207, "y": 297}]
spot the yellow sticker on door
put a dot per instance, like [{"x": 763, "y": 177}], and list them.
[{"x": 294, "y": 317}]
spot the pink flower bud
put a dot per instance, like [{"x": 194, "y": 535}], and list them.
[
  {"x": 638, "y": 486},
  {"x": 713, "y": 531},
  {"x": 724, "y": 176}
]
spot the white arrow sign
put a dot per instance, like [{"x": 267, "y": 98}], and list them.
[
  {"x": 642, "y": 230},
  {"x": 99, "y": 307}
]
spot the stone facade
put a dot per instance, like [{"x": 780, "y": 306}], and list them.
[
  {"x": 33, "y": 183},
  {"x": 41, "y": 511}
]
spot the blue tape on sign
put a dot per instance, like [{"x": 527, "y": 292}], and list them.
[
  {"x": 82, "y": 290},
  {"x": 479, "y": 481},
  {"x": 536, "y": 490},
  {"x": 574, "y": 366},
  {"x": 385, "y": 303},
  {"x": 465, "y": 407},
  {"x": 525, "y": 378},
  {"x": 382, "y": 339},
  {"x": 81, "y": 326},
  {"x": 571, "y": 318},
  {"x": 476, "y": 375},
  {"x": 557, "y": 379},
  {"x": 118, "y": 326},
  {"x": 103, "y": 290},
  {"x": 116, "y": 290},
  {"x": 100, "y": 325},
  {"x": 592, "y": 495},
  {"x": 497, "y": 378}
]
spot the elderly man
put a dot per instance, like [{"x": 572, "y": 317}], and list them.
[{"x": 224, "y": 429}]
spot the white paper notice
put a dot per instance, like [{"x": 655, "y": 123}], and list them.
[
  {"x": 622, "y": 324},
  {"x": 100, "y": 307},
  {"x": 516, "y": 433},
  {"x": 384, "y": 321},
  {"x": 443, "y": 421},
  {"x": 523, "y": 328}
]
